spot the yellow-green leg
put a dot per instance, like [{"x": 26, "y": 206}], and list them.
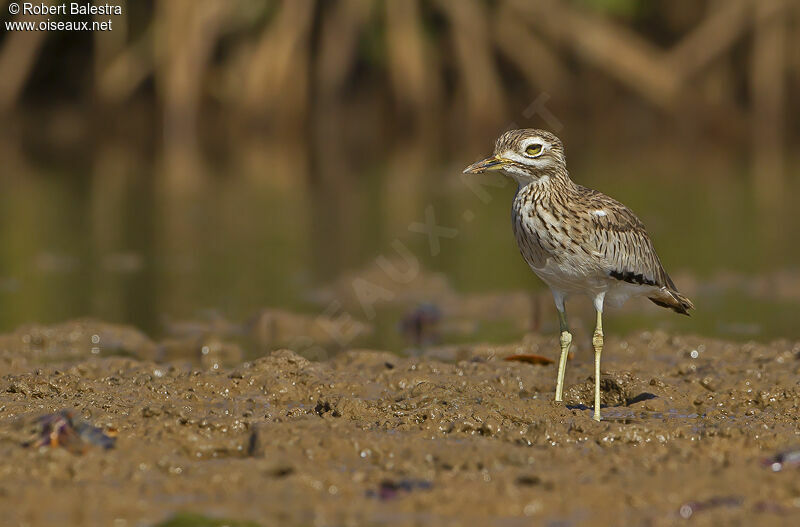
[
  {"x": 597, "y": 344},
  {"x": 565, "y": 340}
]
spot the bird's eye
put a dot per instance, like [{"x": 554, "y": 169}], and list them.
[{"x": 534, "y": 150}]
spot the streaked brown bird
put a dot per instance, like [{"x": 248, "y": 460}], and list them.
[{"x": 577, "y": 240}]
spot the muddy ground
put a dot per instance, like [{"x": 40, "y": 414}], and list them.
[{"x": 453, "y": 436}]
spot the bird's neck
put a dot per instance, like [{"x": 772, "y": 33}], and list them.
[{"x": 546, "y": 184}]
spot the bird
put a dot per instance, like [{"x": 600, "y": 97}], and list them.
[{"x": 577, "y": 240}]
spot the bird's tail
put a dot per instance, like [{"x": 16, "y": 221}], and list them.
[{"x": 673, "y": 300}]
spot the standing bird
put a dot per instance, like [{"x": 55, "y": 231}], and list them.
[{"x": 577, "y": 240}]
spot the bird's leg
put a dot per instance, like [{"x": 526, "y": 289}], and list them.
[
  {"x": 565, "y": 340},
  {"x": 597, "y": 344}
]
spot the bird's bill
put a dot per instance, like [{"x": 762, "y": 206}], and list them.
[{"x": 490, "y": 163}]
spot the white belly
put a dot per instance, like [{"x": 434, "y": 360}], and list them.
[
  {"x": 569, "y": 277},
  {"x": 569, "y": 281}
]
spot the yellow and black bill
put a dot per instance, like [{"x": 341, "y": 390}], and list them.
[{"x": 490, "y": 163}]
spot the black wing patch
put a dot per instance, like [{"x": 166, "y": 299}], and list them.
[{"x": 631, "y": 277}]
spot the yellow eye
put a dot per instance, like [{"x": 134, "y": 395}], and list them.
[{"x": 534, "y": 150}]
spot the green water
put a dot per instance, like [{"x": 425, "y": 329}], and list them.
[{"x": 112, "y": 235}]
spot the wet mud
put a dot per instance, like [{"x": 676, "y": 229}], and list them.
[{"x": 695, "y": 429}]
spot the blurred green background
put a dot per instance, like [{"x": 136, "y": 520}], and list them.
[{"x": 219, "y": 156}]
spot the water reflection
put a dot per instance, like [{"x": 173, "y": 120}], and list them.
[{"x": 273, "y": 223}]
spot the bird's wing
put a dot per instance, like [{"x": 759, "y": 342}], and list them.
[{"x": 620, "y": 241}]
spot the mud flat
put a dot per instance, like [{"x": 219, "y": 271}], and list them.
[{"x": 456, "y": 436}]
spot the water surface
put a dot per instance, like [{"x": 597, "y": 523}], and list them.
[{"x": 130, "y": 238}]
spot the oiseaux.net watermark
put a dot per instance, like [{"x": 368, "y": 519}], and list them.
[{"x": 65, "y": 16}]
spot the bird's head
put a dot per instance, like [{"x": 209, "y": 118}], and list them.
[{"x": 527, "y": 155}]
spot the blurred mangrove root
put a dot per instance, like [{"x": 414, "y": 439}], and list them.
[
  {"x": 281, "y": 60},
  {"x": 17, "y": 57},
  {"x": 338, "y": 48},
  {"x": 613, "y": 48},
  {"x": 118, "y": 79},
  {"x": 410, "y": 68},
  {"x": 766, "y": 81},
  {"x": 538, "y": 63},
  {"x": 188, "y": 35},
  {"x": 711, "y": 38},
  {"x": 278, "y": 77},
  {"x": 477, "y": 68}
]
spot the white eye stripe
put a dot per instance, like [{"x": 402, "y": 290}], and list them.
[{"x": 531, "y": 140}]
